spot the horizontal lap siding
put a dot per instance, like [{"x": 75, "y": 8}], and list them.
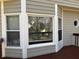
[
  {"x": 13, "y": 6},
  {"x": 40, "y": 51},
  {"x": 40, "y": 7},
  {"x": 68, "y": 26},
  {"x": 16, "y": 53}
]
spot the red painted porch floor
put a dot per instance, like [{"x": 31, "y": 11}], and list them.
[{"x": 70, "y": 52}]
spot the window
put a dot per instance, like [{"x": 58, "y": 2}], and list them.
[
  {"x": 76, "y": 23},
  {"x": 59, "y": 29},
  {"x": 40, "y": 29},
  {"x": 13, "y": 34}
]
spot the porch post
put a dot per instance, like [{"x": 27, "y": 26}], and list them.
[
  {"x": 24, "y": 29},
  {"x": 3, "y": 26},
  {"x": 56, "y": 26}
]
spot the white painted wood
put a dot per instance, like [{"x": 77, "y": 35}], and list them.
[
  {"x": 3, "y": 27},
  {"x": 60, "y": 15},
  {"x": 9, "y": 14},
  {"x": 62, "y": 27},
  {"x": 24, "y": 29},
  {"x": 56, "y": 27},
  {"x": 67, "y": 3},
  {"x": 40, "y": 45},
  {"x": 35, "y": 14}
]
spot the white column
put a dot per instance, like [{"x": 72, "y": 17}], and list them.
[
  {"x": 56, "y": 27},
  {"x": 24, "y": 29},
  {"x": 3, "y": 27}
]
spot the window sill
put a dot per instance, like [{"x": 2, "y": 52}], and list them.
[
  {"x": 40, "y": 42},
  {"x": 13, "y": 47},
  {"x": 40, "y": 45}
]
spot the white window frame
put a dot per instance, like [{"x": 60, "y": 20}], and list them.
[
  {"x": 11, "y": 14},
  {"x": 33, "y": 45},
  {"x": 77, "y": 24},
  {"x": 42, "y": 44}
]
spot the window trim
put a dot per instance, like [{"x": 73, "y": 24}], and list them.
[
  {"x": 29, "y": 46},
  {"x": 11, "y": 14},
  {"x": 77, "y": 23},
  {"x": 41, "y": 45},
  {"x": 42, "y": 15}
]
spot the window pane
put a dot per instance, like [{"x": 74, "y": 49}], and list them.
[
  {"x": 40, "y": 28},
  {"x": 13, "y": 39},
  {"x": 59, "y": 29},
  {"x": 12, "y": 22},
  {"x": 40, "y": 37},
  {"x": 59, "y": 23},
  {"x": 40, "y": 24}
]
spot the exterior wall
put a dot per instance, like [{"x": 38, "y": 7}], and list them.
[
  {"x": 40, "y": 7},
  {"x": 13, "y": 6},
  {"x": 69, "y": 28},
  {"x": 16, "y": 53},
  {"x": 33, "y": 6},
  {"x": 0, "y": 22},
  {"x": 40, "y": 51},
  {"x": 69, "y": 3}
]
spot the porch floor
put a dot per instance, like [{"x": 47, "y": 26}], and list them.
[{"x": 70, "y": 52}]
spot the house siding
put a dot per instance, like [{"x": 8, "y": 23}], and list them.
[
  {"x": 16, "y": 53},
  {"x": 31, "y": 52},
  {"x": 40, "y": 51},
  {"x": 40, "y": 7},
  {"x": 33, "y": 6},
  {"x": 13, "y": 6},
  {"x": 68, "y": 27}
]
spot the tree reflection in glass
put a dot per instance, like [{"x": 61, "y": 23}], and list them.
[{"x": 40, "y": 28}]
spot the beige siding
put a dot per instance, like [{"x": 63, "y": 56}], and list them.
[
  {"x": 69, "y": 27},
  {"x": 13, "y": 6},
  {"x": 40, "y": 51},
  {"x": 0, "y": 23},
  {"x": 17, "y": 53},
  {"x": 40, "y": 7},
  {"x": 31, "y": 52},
  {"x": 0, "y": 27}
]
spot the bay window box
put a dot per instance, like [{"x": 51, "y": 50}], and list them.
[{"x": 40, "y": 29}]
